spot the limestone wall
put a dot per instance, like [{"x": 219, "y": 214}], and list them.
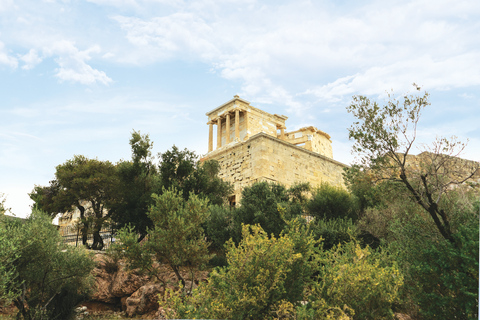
[{"x": 266, "y": 158}]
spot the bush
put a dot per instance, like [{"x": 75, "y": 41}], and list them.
[
  {"x": 364, "y": 280},
  {"x": 330, "y": 202},
  {"x": 219, "y": 227},
  {"x": 441, "y": 278},
  {"x": 51, "y": 277},
  {"x": 177, "y": 237},
  {"x": 265, "y": 277},
  {"x": 334, "y": 231}
]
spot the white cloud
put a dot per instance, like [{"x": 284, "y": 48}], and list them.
[
  {"x": 31, "y": 59},
  {"x": 178, "y": 35},
  {"x": 454, "y": 72},
  {"x": 6, "y": 5},
  {"x": 266, "y": 46},
  {"x": 373, "y": 47},
  {"x": 72, "y": 63},
  {"x": 7, "y": 59}
]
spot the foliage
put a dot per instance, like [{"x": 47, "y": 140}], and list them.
[
  {"x": 218, "y": 227},
  {"x": 8, "y": 255},
  {"x": 87, "y": 184},
  {"x": 366, "y": 281},
  {"x": 177, "y": 236},
  {"x": 441, "y": 279},
  {"x": 3, "y": 208},
  {"x": 51, "y": 278},
  {"x": 259, "y": 205},
  {"x": 182, "y": 170},
  {"x": 138, "y": 180},
  {"x": 261, "y": 280},
  {"x": 329, "y": 202},
  {"x": 334, "y": 231},
  {"x": 363, "y": 185},
  {"x": 384, "y": 137}
]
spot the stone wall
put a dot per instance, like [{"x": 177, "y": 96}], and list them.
[
  {"x": 266, "y": 158},
  {"x": 312, "y": 139}
]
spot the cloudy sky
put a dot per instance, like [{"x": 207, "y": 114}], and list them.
[{"x": 76, "y": 77}]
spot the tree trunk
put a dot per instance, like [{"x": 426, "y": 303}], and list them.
[
  {"x": 97, "y": 238},
  {"x": 84, "y": 228},
  {"x": 97, "y": 241},
  {"x": 177, "y": 273}
]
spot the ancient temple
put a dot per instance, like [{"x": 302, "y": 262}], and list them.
[{"x": 253, "y": 145}]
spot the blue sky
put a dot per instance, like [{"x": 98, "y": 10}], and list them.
[{"x": 76, "y": 77}]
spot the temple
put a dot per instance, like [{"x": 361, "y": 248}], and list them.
[{"x": 253, "y": 145}]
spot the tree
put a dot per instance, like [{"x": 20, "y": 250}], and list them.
[
  {"x": 260, "y": 205},
  {"x": 183, "y": 170},
  {"x": 138, "y": 180},
  {"x": 384, "y": 137},
  {"x": 90, "y": 185},
  {"x": 329, "y": 202},
  {"x": 177, "y": 236},
  {"x": 50, "y": 277}
]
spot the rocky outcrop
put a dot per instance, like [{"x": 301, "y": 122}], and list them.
[
  {"x": 130, "y": 291},
  {"x": 110, "y": 286},
  {"x": 144, "y": 300}
]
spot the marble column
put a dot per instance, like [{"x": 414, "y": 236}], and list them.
[
  {"x": 245, "y": 120},
  {"x": 219, "y": 132},
  {"x": 227, "y": 129},
  {"x": 210, "y": 136},
  {"x": 237, "y": 124}
]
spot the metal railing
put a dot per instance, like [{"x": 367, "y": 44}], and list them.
[{"x": 73, "y": 236}]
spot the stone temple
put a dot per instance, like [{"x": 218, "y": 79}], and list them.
[{"x": 253, "y": 145}]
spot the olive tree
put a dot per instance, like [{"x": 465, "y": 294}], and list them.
[{"x": 384, "y": 138}]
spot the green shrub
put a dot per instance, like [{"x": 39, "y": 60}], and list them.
[
  {"x": 441, "y": 278},
  {"x": 364, "y": 280},
  {"x": 259, "y": 206},
  {"x": 329, "y": 202},
  {"x": 334, "y": 231},
  {"x": 265, "y": 278},
  {"x": 219, "y": 227},
  {"x": 50, "y": 277},
  {"x": 177, "y": 238}
]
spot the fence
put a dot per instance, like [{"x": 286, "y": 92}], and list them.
[{"x": 73, "y": 236}]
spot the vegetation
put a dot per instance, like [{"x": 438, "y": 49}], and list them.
[
  {"x": 384, "y": 137},
  {"x": 261, "y": 279},
  {"x": 49, "y": 278},
  {"x": 90, "y": 185},
  {"x": 138, "y": 180},
  {"x": 420, "y": 207},
  {"x": 403, "y": 237},
  {"x": 176, "y": 238}
]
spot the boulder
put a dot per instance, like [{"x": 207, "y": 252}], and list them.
[
  {"x": 109, "y": 287},
  {"x": 144, "y": 300},
  {"x": 125, "y": 283}
]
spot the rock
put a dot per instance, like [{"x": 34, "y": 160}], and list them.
[
  {"x": 126, "y": 282},
  {"x": 402, "y": 316},
  {"x": 81, "y": 309},
  {"x": 102, "y": 291},
  {"x": 144, "y": 300},
  {"x": 111, "y": 286},
  {"x": 123, "y": 301}
]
